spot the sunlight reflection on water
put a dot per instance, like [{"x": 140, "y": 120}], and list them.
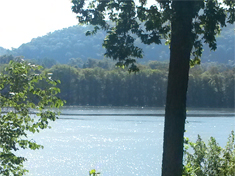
[{"x": 113, "y": 145}]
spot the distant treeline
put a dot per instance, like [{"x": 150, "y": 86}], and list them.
[
  {"x": 100, "y": 83},
  {"x": 209, "y": 85}
]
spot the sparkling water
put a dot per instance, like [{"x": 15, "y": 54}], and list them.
[{"x": 115, "y": 141}]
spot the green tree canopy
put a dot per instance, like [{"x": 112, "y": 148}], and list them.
[{"x": 184, "y": 24}]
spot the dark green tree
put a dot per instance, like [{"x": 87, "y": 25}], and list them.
[
  {"x": 68, "y": 76},
  {"x": 184, "y": 24},
  {"x": 5, "y": 59}
]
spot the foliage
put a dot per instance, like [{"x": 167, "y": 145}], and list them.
[
  {"x": 23, "y": 90},
  {"x": 5, "y": 59},
  {"x": 210, "y": 85},
  {"x": 93, "y": 172},
  {"x": 210, "y": 159}
]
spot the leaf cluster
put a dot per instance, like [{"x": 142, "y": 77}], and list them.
[
  {"x": 20, "y": 84},
  {"x": 93, "y": 173},
  {"x": 210, "y": 159}
]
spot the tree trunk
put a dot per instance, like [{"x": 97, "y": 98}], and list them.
[{"x": 175, "y": 112}]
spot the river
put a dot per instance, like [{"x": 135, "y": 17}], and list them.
[{"x": 119, "y": 141}]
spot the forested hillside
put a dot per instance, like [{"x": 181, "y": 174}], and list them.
[
  {"x": 62, "y": 45},
  {"x": 3, "y": 51}
]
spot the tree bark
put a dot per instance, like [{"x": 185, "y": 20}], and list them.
[{"x": 175, "y": 112}]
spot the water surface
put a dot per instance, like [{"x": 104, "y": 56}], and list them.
[{"x": 121, "y": 144}]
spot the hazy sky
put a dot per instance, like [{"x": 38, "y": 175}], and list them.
[{"x": 22, "y": 20}]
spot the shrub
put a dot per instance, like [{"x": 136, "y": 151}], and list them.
[{"x": 210, "y": 159}]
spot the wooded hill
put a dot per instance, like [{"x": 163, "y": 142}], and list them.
[{"x": 62, "y": 45}]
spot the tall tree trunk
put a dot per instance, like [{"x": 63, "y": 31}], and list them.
[{"x": 175, "y": 112}]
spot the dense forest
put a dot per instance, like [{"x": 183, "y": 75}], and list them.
[
  {"x": 62, "y": 45},
  {"x": 209, "y": 86},
  {"x": 100, "y": 83}
]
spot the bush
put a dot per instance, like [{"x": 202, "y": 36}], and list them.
[{"x": 210, "y": 159}]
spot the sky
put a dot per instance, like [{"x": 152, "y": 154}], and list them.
[{"x": 23, "y": 20}]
